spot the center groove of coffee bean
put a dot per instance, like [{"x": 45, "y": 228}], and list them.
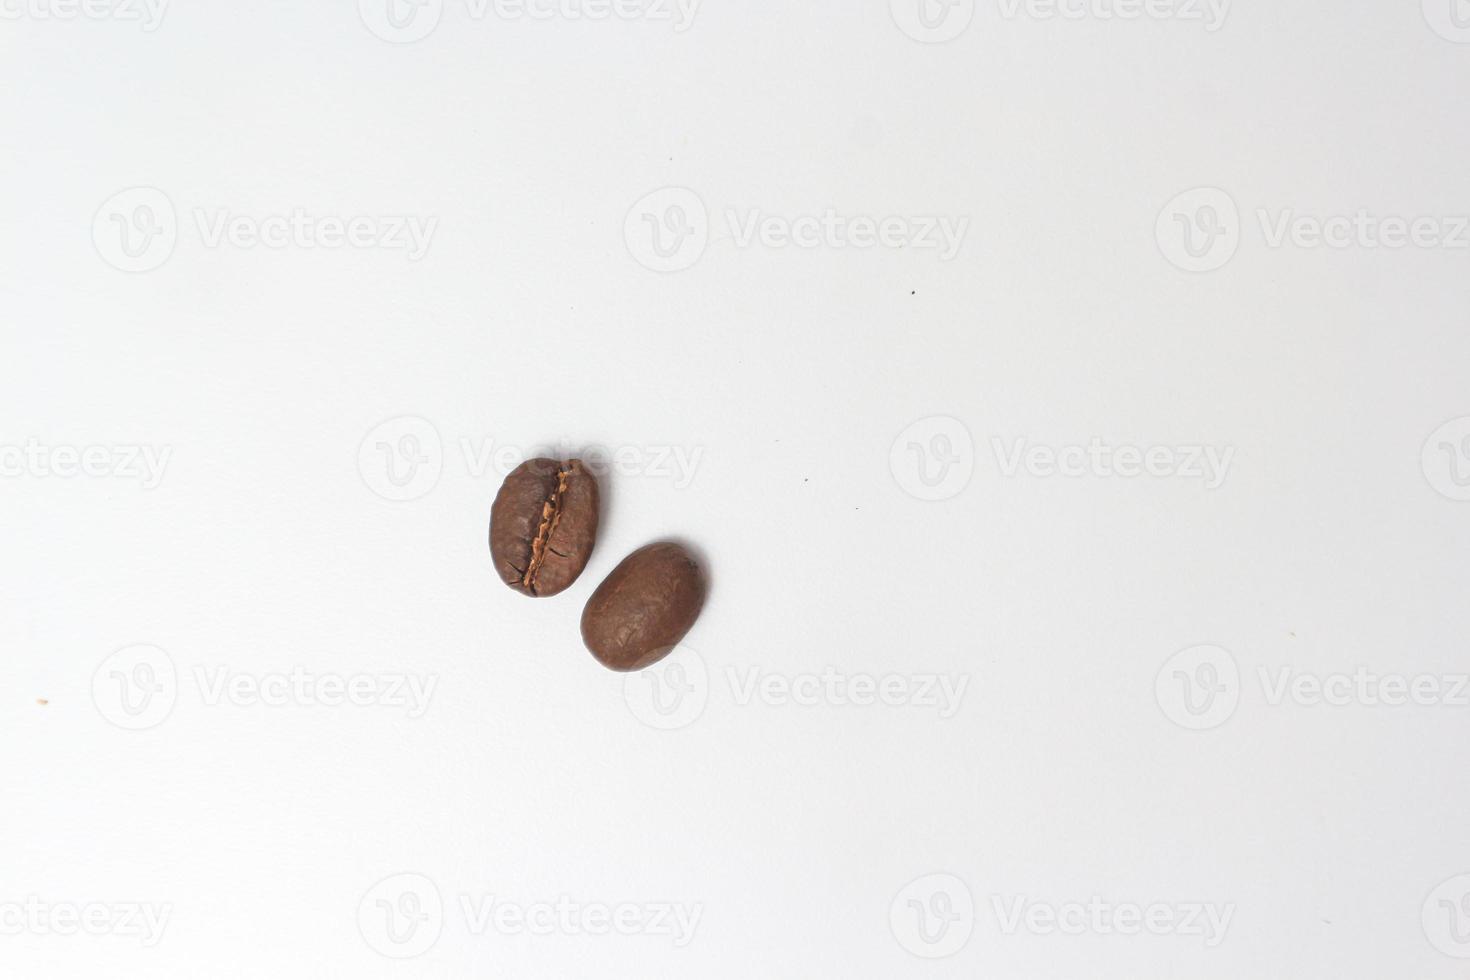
[{"x": 550, "y": 515}]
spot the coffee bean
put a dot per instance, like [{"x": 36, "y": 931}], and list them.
[
  {"x": 543, "y": 525},
  {"x": 643, "y": 609}
]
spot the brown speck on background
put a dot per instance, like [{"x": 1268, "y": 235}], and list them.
[{"x": 42, "y": 702}]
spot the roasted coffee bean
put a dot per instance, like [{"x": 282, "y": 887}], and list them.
[
  {"x": 543, "y": 525},
  {"x": 643, "y": 609}
]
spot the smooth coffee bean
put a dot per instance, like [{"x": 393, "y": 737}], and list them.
[
  {"x": 644, "y": 607},
  {"x": 543, "y": 525}
]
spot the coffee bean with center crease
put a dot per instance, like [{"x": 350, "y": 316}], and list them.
[
  {"x": 644, "y": 607},
  {"x": 543, "y": 525}
]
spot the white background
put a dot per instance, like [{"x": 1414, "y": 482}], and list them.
[{"x": 800, "y": 376}]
